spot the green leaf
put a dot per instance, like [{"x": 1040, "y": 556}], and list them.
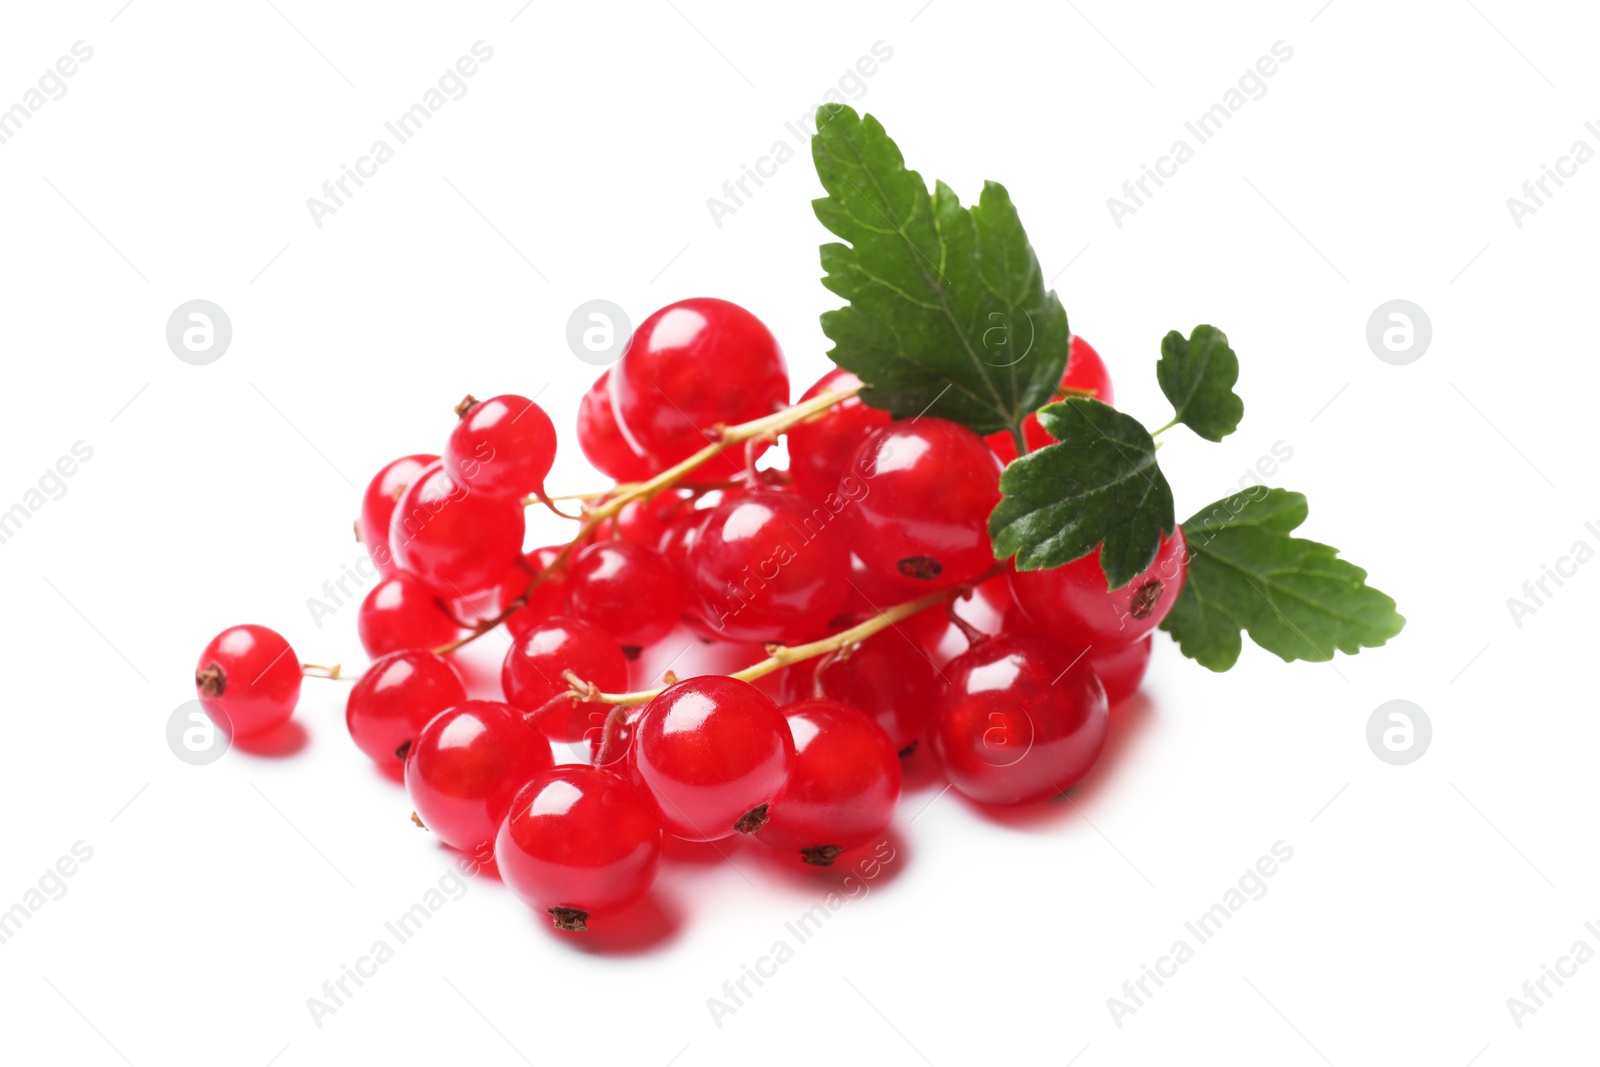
[
  {"x": 948, "y": 314},
  {"x": 1198, "y": 375},
  {"x": 1294, "y": 597},
  {"x": 1100, "y": 486}
]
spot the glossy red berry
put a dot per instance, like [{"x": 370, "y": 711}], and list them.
[
  {"x": 821, "y": 449},
  {"x": 466, "y": 765},
  {"x": 503, "y": 446},
  {"x": 888, "y": 676},
  {"x": 1023, "y": 718},
  {"x": 248, "y": 679},
  {"x": 689, "y": 367},
  {"x": 394, "y": 700},
  {"x": 920, "y": 494},
  {"x": 1072, "y": 605},
  {"x": 842, "y": 788},
  {"x": 711, "y": 755},
  {"x": 378, "y": 503},
  {"x": 601, "y": 439},
  {"x": 578, "y": 843},
  {"x": 627, "y": 589},
  {"x": 457, "y": 541},
  {"x": 403, "y": 612},
  {"x": 1086, "y": 373},
  {"x": 536, "y": 665},
  {"x": 767, "y": 566}
]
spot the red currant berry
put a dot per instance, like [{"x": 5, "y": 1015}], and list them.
[
  {"x": 1121, "y": 669},
  {"x": 842, "y": 788},
  {"x": 377, "y": 506},
  {"x": 601, "y": 439},
  {"x": 1072, "y": 605},
  {"x": 503, "y": 446},
  {"x": 1023, "y": 718},
  {"x": 767, "y": 566},
  {"x": 888, "y": 676},
  {"x": 921, "y": 494},
  {"x": 536, "y": 665},
  {"x": 1086, "y": 373},
  {"x": 466, "y": 766},
  {"x": 578, "y": 844},
  {"x": 248, "y": 679},
  {"x": 711, "y": 755},
  {"x": 548, "y": 599},
  {"x": 395, "y": 699},
  {"x": 690, "y": 367},
  {"x": 821, "y": 448},
  {"x": 627, "y": 589},
  {"x": 459, "y": 542},
  {"x": 401, "y": 612}
]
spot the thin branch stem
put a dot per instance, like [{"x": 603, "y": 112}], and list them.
[
  {"x": 781, "y": 656},
  {"x": 318, "y": 670}
]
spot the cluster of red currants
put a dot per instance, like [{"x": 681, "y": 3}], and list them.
[{"x": 850, "y": 566}]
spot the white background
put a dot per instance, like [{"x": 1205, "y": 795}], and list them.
[{"x": 1377, "y": 166}]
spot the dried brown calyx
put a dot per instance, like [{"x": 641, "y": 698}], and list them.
[
  {"x": 820, "y": 855},
  {"x": 752, "y": 820},
  {"x": 1145, "y": 599},
  {"x": 211, "y": 680}
]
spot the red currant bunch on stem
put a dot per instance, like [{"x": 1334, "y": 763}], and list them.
[{"x": 849, "y": 563}]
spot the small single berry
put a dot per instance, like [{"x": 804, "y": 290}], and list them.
[
  {"x": 503, "y": 446},
  {"x": 843, "y": 785},
  {"x": 1023, "y": 717},
  {"x": 248, "y": 680},
  {"x": 709, "y": 752},
  {"x": 402, "y": 612},
  {"x": 466, "y": 765},
  {"x": 394, "y": 700},
  {"x": 577, "y": 844}
]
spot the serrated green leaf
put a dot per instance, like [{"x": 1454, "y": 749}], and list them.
[
  {"x": 1198, "y": 374},
  {"x": 1100, "y": 486},
  {"x": 948, "y": 314},
  {"x": 1294, "y": 597}
]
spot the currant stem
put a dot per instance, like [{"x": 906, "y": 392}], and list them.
[
  {"x": 818, "y": 692},
  {"x": 623, "y": 495},
  {"x": 1168, "y": 426},
  {"x": 536, "y": 717},
  {"x": 608, "y": 734},
  {"x": 544, "y": 499},
  {"x": 974, "y": 636},
  {"x": 781, "y": 656},
  {"x": 317, "y": 670}
]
